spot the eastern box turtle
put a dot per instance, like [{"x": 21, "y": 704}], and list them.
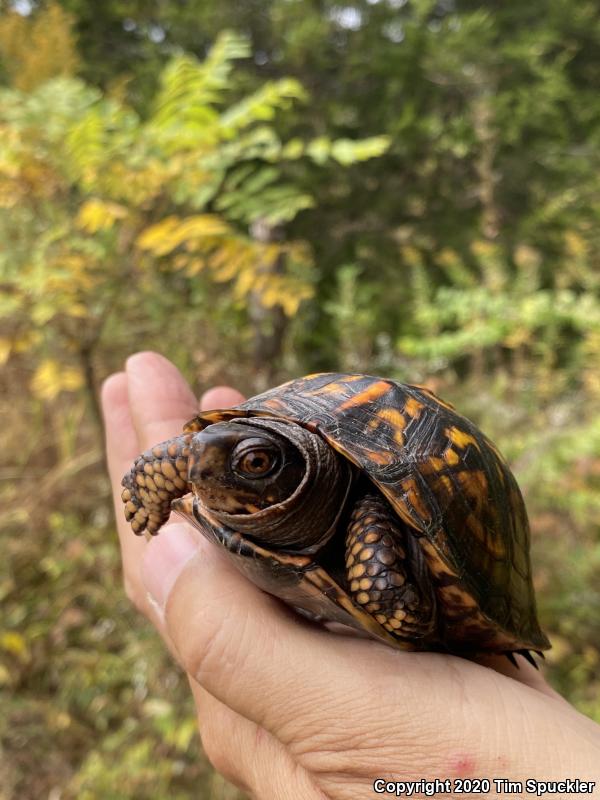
[{"x": 358, "y": 500}]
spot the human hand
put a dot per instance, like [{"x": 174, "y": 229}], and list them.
[{"x": 289, "y": 710}]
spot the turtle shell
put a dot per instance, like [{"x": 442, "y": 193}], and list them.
[{"x": 446, "y": 481}]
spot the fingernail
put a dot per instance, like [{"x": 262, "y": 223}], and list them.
[{"x": 164, "y": 559}]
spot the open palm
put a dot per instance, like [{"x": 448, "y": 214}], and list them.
[{"x": 289, "y": 710}]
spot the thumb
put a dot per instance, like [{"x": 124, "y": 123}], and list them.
[{"x": 242, "y": 645}]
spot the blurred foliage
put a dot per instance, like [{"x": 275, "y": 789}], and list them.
[
  {"x": 261, "y": 189},
  {"x": 33, "y": 49}
]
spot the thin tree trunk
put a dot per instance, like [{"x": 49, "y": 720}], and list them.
[{"x": 269, "y": 325}]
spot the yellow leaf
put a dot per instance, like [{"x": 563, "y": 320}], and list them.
[
  {"x": 4, "y": 676},
  {"x": 27, "y": 341},
  {"x": 173, "y": 232},
  {"x": 448, "y": 257},
  {"x": 411, "y": 255},
  {"x": 38, "y": 46},
  {"x": 526, "y": 256},
  {"x": 576, "y": 246},
  {"x": 52, "y": 378},
  {"x": 202, "y": 225},
  {"x": 5, "y": 349},
  {"x": 194, "y": 266},
  {"x": 96, "y": 215},
  {"x": 12, "y": 642},
  {"x": 483, "y": 249},
  {"x": 159, "y": 238},
  {"x": 77, "y": 310},
  {"x": 62, "y": 720}
]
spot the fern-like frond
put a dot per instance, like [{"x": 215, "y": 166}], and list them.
[
  {"x": 261, "y": 105},
  {"x": 190, "y": 89}
]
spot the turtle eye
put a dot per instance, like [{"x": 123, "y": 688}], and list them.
[{"x": 254, "y": 461}]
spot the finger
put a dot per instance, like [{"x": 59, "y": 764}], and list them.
[
  {"x": 160, "y": 399},
  {"x": 227, "y": 739},
  {"x": 150, "y": 399},
  {"x": 221, "y": 397},
  {"x": 122, "y": 447},
  {"x": 245, "y": 648},
  {"x": 246, "y": 754}
]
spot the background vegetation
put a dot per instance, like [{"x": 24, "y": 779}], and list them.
[{"x": 261, "y": 189}]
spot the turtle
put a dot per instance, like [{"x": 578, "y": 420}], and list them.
[{"x": 357, "y": 500}]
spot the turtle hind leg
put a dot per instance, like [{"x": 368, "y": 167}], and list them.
[
  {"x": 386, "y": 573},
  {"x": 158, "y": 476}
]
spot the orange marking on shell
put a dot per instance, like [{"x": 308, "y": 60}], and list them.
[
  {"x": 380, "y": 457},
  {"x": 452, "y": 594},
  {"x": 274, "y": 403},
  {"x": 451, "y": 457},
  {"x": 372, "y": 392},
  {"x": 476, "y": 528},
  {"x": 393, "y": 416},
  {"x": 409, "y": 486},
  {"x": 310, "y": 377},
  {"x": 412, "y": 407},
  {"x": 334, "y": 388},
  {"x": 312, "y": 425},
  {"x": 460, "y": 438},
  {"x": 479, "y": 477},
  {"x": 474, "y": 484},
  {"x": 329, "y": 388},
  {"x": 446, "y": 483},
  {"x": 434, "y": 464},
  {"x": 436, "y": 562},
  {"x": 397, "y": 420}
]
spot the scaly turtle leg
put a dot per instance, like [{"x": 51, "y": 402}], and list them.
[
  {"x": 386, "y": 572},
  {"x": 158, "y": 476}
]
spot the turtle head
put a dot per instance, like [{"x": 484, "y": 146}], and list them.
[
  {"x": 240, "y": 468},
  {"x": 271, "y": 480}
]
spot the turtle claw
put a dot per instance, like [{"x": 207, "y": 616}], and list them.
[
  {"x": 512, "y": 659},
  {"x": 527, "y": 655}
]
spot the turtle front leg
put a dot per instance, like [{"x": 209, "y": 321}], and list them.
[
  {"x": 158, "y": 476},
  {"x": 386, "y": 572}
]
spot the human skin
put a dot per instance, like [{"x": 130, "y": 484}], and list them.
[{"x": 290, "y": 710}]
